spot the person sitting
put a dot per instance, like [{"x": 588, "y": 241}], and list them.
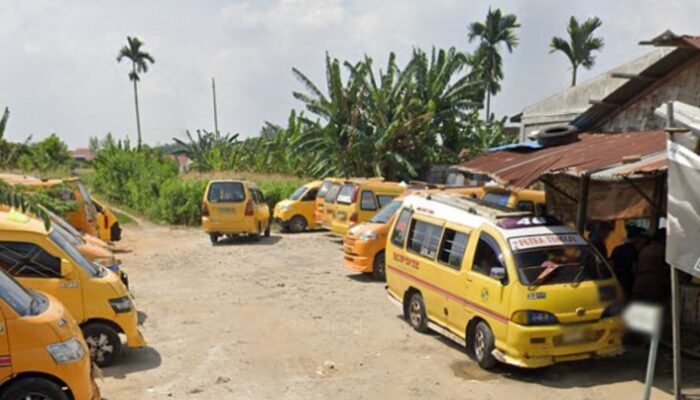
[{"x": 599, "y": 234}]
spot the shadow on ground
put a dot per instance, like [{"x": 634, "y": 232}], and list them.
[
  {"x": 133, "y": 360},
  {"x": 249, "y": 240}
]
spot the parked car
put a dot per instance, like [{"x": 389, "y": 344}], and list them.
[
  {"x": 296, "y": 214},
  {"x": 234, "y": 207},
  {"x": 46, "y": 261},
  {"x": 512, "y": 287}
]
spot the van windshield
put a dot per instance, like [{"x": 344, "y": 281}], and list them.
[
  {"x": 560, "y": 264},
  {"x": 298, "y": 193},
  {"x": 345, "y": 194},
  {"x": 58, "y": 221},
  {"x": 324, "y": 189},
  {"x": 332, "y": 193},
  {"x": 72, "y": 239},
  {"x": 15, "y": 295},
  {"x": 384, "y": 215},
  {"x": 91, "y": 269},
  {"x": 226, "y": 192}
]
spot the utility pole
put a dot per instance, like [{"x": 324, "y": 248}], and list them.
[{"x": 216, "y": 116}]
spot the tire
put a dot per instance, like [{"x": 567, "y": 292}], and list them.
[
  {"x": 33, "y": 388},
  {"x": 482, "y": 346},
  {"x": 104, "y": 343},
  {"x": 115, "y": 232},
  {"x": 256, "y": 236},
  {"x": 379, "y": 267},
  {"x": 297, "y": 224},
  {"x": 557, "y": 136},
  {"x": 267, "y": 229},
  {"x": 415, "y": 313},
  {"x": 214, "y": 237}
]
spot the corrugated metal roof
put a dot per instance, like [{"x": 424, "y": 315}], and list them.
[
  {"x": 592, "y": 152},
  {"x": 650, "y": 164}
]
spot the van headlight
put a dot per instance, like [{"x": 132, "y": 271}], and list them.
[
  {"x": 368, "y": 235},
  {"x": 612, "y": 311},
  {"x": 532, "y": 317},
  {"x": 66, "y": 352},
  {"x": 284, "y": 207},
  {"x": 121, "y": 304},
  {"x": 105, "y": 261}
]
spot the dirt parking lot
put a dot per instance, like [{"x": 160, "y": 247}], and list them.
[{"x": 282, "y": 319}]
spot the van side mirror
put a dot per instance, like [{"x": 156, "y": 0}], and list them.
[
  {"x": 66, "y": 268},
  {"x": 498, "y": 273}
]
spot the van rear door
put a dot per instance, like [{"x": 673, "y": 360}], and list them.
[{"x": 226, "y": 201}]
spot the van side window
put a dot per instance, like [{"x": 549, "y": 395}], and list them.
[
  {"x": 27, "y": 260},
  {"x": 310, "y": 195},
  {"x": 384, "y": 199},
  {"x": 424, "y": 238},
  {"x": 452, "y": 249},
  {"x": 488, "y": 255},
  {"x": 367, "y": 201},
  {"x": 398, "y": 235}
]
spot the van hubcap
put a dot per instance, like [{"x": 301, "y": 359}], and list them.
[
  {"x": 415, "y": 313},
  {"x": 99, "y": 347},
  {"x": 35, "y": 396},
  {"x": 479, "y": 345}
]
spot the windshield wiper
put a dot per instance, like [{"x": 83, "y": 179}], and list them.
[
  {"x": 579, "y": 275},
  {"x": 549, "y": 269}
]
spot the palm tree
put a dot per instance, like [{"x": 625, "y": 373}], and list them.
[
  {"x": 581, "y": 45},
  {"x": 139, "y": 65},
  {"x": 14, "y": 198},
  {"x": 498, "y": 29}
]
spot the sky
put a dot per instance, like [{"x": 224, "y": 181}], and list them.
[{"x": 60, "y": 74}]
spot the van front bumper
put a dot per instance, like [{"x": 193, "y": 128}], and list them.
[
  {"x": 78, "y": 376},
  {"x": 355, "y": 256},
  {"x": 339, "y": 228},
  {"x": 540, "y": 346},
  {"x": 128, "y": 322}
]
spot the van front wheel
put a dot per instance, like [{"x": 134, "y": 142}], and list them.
[
  {"x": 379, "y": 267},
  {"x": 104, "y": 343},
  {"x": 33, "y": 388},
  {"x": 483, "y": 345},
  {"x": 415, "y": 313}
]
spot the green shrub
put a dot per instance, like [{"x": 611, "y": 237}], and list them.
[
  {"x": 275, "y": 191},
  {"x": 180, "y": 201}
]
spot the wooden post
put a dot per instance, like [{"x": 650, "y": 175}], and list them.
[
  {"x": 676, "y": 318},
  {"x": 658, "y": 202},
  {"x": 582, "y": 203}
]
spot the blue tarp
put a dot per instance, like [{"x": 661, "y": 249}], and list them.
[{"x": 529, "y": 144}]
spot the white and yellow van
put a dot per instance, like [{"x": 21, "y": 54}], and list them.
[
  {"x": 512, "y": 287},
  {"x": 42, "y": 353},
  {"x": 95, "y": 296}
]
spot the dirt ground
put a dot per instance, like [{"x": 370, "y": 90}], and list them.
[{"x": 282, "y": 319}]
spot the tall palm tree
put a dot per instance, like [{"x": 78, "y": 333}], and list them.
[
  {"x": 581, "y": 45},
  {"x": 497, "y": 30},
  {"x": 139, "y": 65}
]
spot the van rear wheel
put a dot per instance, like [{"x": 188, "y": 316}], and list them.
[
  {"x": 104, "y": 343},
  {"x": 483, "y": 345},
  {"x": 415, "y": 313},
  {"x": 267, "y": 229},
  {"x": 33, "y": 389},
  {"x": 214, "y": 237}
]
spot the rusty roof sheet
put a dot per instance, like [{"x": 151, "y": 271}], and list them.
[{"x": 592, "y": 152}]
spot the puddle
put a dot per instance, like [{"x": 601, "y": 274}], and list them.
[{"x": 471, "y": 371}]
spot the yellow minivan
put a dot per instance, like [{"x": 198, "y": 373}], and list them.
[
  {"x": 511, "y": 287},
  {"x": 523, "y": 200},
  {"x": 94, "y": 295},
  {"x": 109, "y": 228},
  {"x": 233, "y": 207},
  {"x": 359, "y": 199},
  {"x": 42, "y": 353},
  {"x": 296, "y": 214}
]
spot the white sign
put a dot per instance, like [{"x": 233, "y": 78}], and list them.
[
  {"x": 529, "y": 242},
  {"x": 643, "y": 318}
]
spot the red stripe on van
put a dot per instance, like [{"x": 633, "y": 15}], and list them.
[
  {"x": 5, "y": 361},
  {"x": 451, "y": 295}
]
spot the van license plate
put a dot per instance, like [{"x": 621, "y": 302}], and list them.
[
  {"x": 573, "y": 337},
  {"x": 341, "y": 216},
  {"x": 227, "y": 210}
]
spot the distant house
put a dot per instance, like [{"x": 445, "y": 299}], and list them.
[
  {"x": 624, "y": 98},
  {"x": 183, "y": 162},
  {"x": 83, "y": 154}
]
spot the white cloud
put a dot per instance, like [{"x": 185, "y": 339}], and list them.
[{"x": 60, "y": 73}]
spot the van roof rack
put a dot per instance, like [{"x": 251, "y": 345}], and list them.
[{"x": 476, "y": 206}]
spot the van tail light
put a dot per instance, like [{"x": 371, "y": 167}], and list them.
[
  {"x": 106, "y": 221},
  {"x": 249, "y": 208},
  {"x": 353, "y": 217},
  {"x": 205, "y": 209},
  {"x": 355, "y": 192}
]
